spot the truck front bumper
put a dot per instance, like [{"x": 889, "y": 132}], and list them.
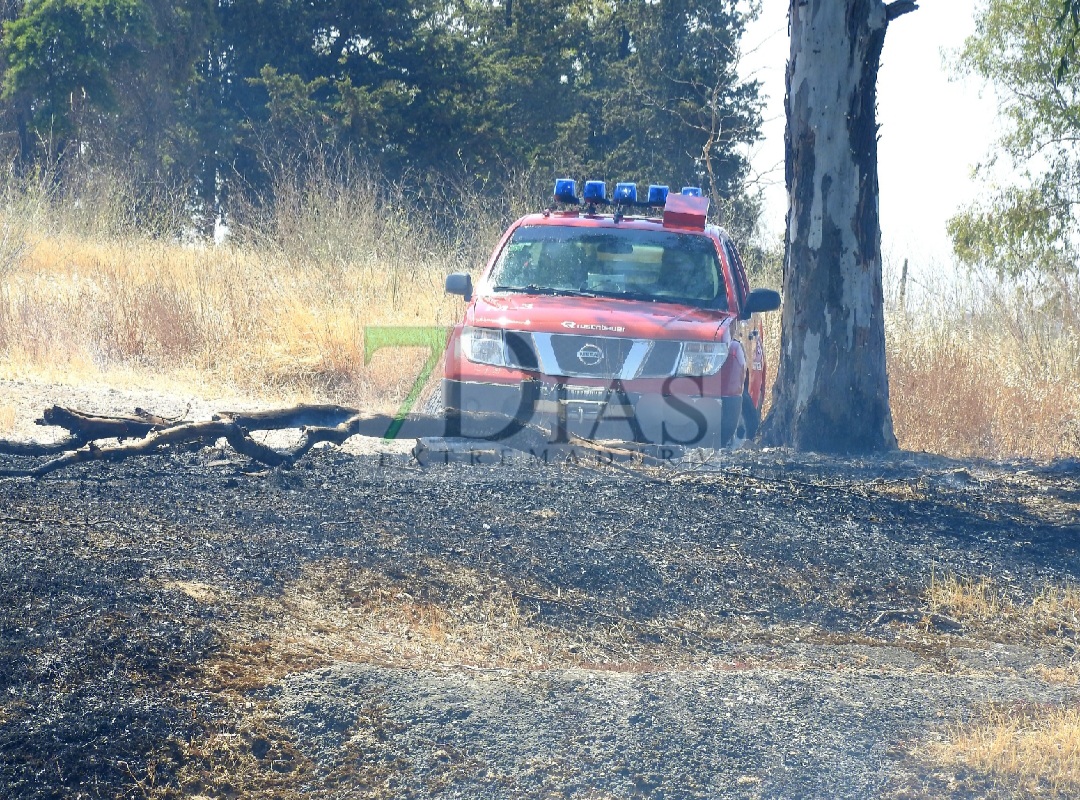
[{"x": 601, "y": 412}]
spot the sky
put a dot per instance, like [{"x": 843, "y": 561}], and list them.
[{"x": 934, "y": 128}]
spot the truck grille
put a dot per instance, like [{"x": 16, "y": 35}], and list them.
[
  {"x": 520, "y": 352},
  {"x": 662, "y": 360},
  {"x": 590, "y": 356},
  {"x": 605, "y": 357}
]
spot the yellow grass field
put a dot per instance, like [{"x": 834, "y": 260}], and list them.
[
  {"x": 280, "y": 312},
  {"x": 1028, "y": 750}
]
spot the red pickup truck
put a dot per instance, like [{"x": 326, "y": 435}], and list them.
[{"x": 614, "y": 319}]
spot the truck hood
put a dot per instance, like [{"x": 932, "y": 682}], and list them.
[{"x": 602, "y": 316}]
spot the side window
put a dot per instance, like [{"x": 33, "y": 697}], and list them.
[{"x": 738, "y": 272}]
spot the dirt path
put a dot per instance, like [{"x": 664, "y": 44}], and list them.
[{"x": 359, "y": 626}]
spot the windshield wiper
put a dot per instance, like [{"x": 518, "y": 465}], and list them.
[
  {"x": 547, "y": 290},
  {"x": 629, "y": 295}
]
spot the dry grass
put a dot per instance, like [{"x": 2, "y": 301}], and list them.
[
  {"x": 973, "y": 393},
  {"x": 981, "y": 604},
  {"x": 965, "y": 599},
  {"x": 263, "y": 324},
  {"x": 336, "y": 612},
  {"x": 280, "y": 311},
  {"x": 980, "y": 369},
  {"x": 1026, "y": 751},
  {"x": 7, "y": 418},
  {"x": 1022, "y": 750},
  {"x": 975, "y": 370}
]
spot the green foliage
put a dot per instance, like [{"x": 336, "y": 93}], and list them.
[
  {"x": 1023, "y": 47},
  {"x": 226, "y": 96},
  {"x": 1069, "y": 21},
  {"x": 1020, "y": 233},
  {"x": 1019, "y": 45},
  {"x": 59, "y": 57}
]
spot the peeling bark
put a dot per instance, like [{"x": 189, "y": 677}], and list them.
[{"x": 832, "y": 393}]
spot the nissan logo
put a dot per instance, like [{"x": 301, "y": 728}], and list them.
[{"x": 590, "y": 355}]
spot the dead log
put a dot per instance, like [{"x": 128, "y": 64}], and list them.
[
  {"x": 332, "y": 422},
  {"x": 295, "y": 417},
  {"x": 13, "y": 448},
  {"x": 145, "y": 433},
  {"x": 186, "y": 433},
  {"x": 92, "y": 426}
]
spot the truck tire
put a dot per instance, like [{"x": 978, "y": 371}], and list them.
[{"x": 751, "y": 417}]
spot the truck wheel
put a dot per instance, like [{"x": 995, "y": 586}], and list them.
[
  {"x": 751, "y": 417},
  {"x": 730, "y": 416}
]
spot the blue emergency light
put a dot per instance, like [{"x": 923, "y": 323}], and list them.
[
  {"x": 566, "y": 191},
  {"x": 626, "y": 193},
  {"x": 657, "y": 195},
  {"x": 691, "y": 191},
  {"x": 595, "y": 192}
]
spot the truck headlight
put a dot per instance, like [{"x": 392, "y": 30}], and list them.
[
  {"x": 484, "y": 346},
  {"x": 702, "y": 358}
]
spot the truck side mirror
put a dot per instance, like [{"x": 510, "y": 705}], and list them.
[
  {"x": 460, "y": 283},
  {"x": 760, "y": 300}
]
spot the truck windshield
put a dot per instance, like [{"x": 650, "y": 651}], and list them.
[{"x": 636, "y": 264}]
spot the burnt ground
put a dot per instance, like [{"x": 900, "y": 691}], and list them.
[{"x": 187, "y": 624}]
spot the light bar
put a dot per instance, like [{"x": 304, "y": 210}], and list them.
[
  {"x": 566, "y": 191},
  {"x": 626, "y": 193},
  {"x": 595, "y": 192}
]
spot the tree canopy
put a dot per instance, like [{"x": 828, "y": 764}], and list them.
[
  {"x": 203, "y": 93},
  {"x": 1026, "y": 48}
]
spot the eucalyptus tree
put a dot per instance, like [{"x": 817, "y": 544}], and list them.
[
  {"x": 1028, "y": 230},
  {"x": 832, "y": 391}
]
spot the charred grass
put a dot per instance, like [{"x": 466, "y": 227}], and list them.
[
  {"x": 142, "y": 641},
  {"x": 160, "y": 685}
]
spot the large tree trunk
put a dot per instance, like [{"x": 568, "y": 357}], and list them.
[{"x": 832, "y": 392}]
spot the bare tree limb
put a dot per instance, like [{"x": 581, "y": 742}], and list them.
[
  {"x": 36, "y": 449},
  {"x": 91, "y": 426},
  {"x": 898, "y": 8},
  {"x": 295, "y": 417},
  {"x": 320, "y": 423},
  {"x": 185, "y": 433}
]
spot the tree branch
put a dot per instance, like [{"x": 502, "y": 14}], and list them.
[
  {"x": 898, "y": 8},
  {"x": 320, "y": 423}
]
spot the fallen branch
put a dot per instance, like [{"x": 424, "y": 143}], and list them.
[
  {"x": 144, "y": 433},
  {"x": 187, "y": 433},
  {"x": 295, "y": 417},
  {"x": 91, "y": 426},
  {"x": 13, "y": 448}
]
